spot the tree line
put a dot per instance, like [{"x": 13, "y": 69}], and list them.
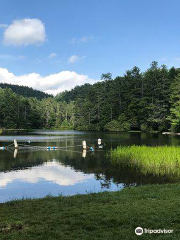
[
  {"x": 25, "y": 91},
  {"x": 18, "y": 112},
  {"x": 146, "y": 101}
]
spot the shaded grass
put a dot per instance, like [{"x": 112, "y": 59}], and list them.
[
  {"x": 155, "y": 160},
  {"x": 112, "y": 215}
]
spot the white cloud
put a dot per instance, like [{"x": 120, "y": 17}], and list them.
[
  {"x": 3, "y": 25},
  {"x": 52, "y": 172},
  {"x": 74, "y": 58},
  {"x": 84, "y": 39},
  {"x": 52, "y": 55},
  {"x": 53, "y": 83},
  {"x": 24, "y": 32},
  {"x": 11, "y": 57}
]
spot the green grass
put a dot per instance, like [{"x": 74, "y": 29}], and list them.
[
  {"x": 155, "y": 160},
  {"x": 95, "y": 216}
]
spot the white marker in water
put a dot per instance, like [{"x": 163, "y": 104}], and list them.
[
  {"x": 15, "y": 144},
  {"x": 84, "y": 144}
]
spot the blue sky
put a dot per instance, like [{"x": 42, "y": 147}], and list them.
[{"x": 87, "y": 38}]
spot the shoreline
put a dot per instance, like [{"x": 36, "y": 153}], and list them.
[
  {"x": 61, "y": 129},
  {"x": 170, "y": 133}
]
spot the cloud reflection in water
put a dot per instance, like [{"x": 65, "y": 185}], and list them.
[{"x": 52, "y": 172}]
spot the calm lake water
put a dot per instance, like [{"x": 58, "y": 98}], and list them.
[{"x": 35, "y": 173}]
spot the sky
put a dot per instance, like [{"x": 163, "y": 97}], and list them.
[{"x": 55, "y": 45}]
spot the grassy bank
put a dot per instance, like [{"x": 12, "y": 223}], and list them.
[
  {"x": 95, "y": 216},
  {"x": 155, "y": 160}
]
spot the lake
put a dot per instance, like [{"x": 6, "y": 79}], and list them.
[{"x": 34, "y": 172}]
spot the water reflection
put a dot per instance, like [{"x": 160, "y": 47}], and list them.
[
  {"x": 71, "y": 170},
  {"x": 50, "y": 171}
]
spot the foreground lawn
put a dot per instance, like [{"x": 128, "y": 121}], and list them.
[{"x": 96, "y": 216}]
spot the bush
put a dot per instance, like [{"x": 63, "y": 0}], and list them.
[
  {"x": 124, "y": 123},
  {"x": 144, "y": 127},
  {"x": 115, "y": 125},
  {"x": 112, "y": 126}
]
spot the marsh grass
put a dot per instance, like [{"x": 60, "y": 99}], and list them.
[{"x": 156, "y": 160}]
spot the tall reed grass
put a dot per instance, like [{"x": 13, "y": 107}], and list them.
[{"x": 155, "y": 160}]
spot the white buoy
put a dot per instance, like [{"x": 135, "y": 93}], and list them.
[
  {"x": 99, "y": 141},
  {"x": 84, "y": 144},
  {"x": 15, "y": 144}
]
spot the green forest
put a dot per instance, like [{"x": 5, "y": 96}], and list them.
[
  {"x": 25, "y": 91},
  {"x": 145, "y": 101}
]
